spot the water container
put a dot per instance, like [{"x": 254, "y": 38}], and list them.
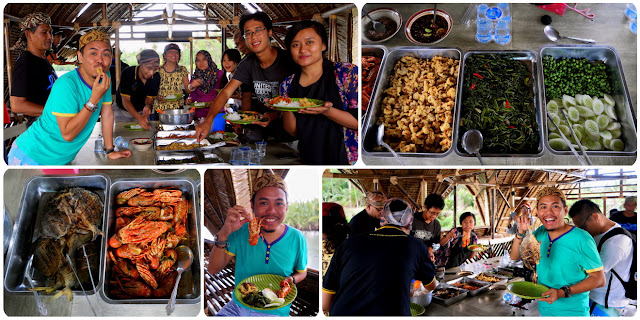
[
  {"x": 121, "y": 143},
  {"x": 506, "y": 12},
  {"x": 481, "y": 11},
  {"x": 99, "y": 146},
  {"x": 631, "y": 12},
  {"x": 494, "y": 14}
]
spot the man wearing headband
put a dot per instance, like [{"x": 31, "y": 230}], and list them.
[
  {"x": 138, "y": 87},
  {"x": 371, "y": 274},
  {"x": 281, "y": 249},
  {"x": 628, "y": 218},
  {"x": 33, "y": 76},
  {"x": 77, "y": 99},
  {"x": 368, "y": 220},
  {"x": 569, "y": 266}
]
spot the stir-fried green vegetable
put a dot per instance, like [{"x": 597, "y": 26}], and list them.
[
  {"x": 256, "y": 299},
  {"x": 498, "y": 101},
  {"x": 574, "y": 76}
]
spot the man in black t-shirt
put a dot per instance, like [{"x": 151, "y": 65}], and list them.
[
  {"x": 33, "y": 76},
  {"x": 628, "y": 218},
  {"x": 426, "y": 227},
  {"x": 370, "y": 274},
  {"x": 138, "y": 87},
  {"x": 368, "y": 220}
]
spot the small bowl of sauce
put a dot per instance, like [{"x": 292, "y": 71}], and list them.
[{"x": 391, "y": 19}]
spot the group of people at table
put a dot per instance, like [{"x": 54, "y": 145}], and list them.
[
  {"x": 63, "y": 111},
  {"x": 369, "y": 263}
]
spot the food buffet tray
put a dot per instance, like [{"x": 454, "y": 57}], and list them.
[
  {"x": 447, "y": 302},
  {"x": 385, "y": 73},
  {"x": 186, "y": 155},
  {"x": 189, "y": 288},
  {"x": 176, "y": 127},
  {"x": 34, "y": 195},
  {"x": 164, "y": 142},
  {"x": 624, "y": 105},
  {"x": 483, "y": 286},
  {"x": 165, "y": 134},
  {"x": 376, "y": 51},
  {"x": 531, "y": 60}
]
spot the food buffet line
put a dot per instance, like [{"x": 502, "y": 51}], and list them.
[
  {"x": 512, "y": 93},
  {"x": 119, "y": 212}
]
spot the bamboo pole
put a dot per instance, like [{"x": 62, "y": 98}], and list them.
[
  {"x": 7, "y": 52},
  {"x": 333, "y": 38}
]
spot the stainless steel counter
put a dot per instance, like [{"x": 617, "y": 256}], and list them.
[{"x": 609, "y": 27}]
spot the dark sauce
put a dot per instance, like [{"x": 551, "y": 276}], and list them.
[
  {"x": 375, "y": 36},
  {"x": 422, "y": 30}
]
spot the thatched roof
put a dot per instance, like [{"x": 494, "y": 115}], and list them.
[{"x": 512, "y": 187}]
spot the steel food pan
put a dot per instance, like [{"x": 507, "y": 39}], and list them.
[
  {"x": 34, "y": 195},
  {"x": 176, "y": 116},
  {"x": 189, "y": 288},
  {"x": 186, "y": 155},
  {"x": 370, "y": 127},
  {"x": 447, "y": 302},
  {"x": 176, "y": 127},
  {"x": 624, "y": 105},
  {"x": 530, "y": 58},
  {"x": 376, "y": 51},
  {"x": 164, "y": 142},
  {"x": 483, "y": 286},
  {"x": 165, "y": 134}
]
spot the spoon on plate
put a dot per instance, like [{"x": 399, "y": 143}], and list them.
[
  {"x": 185, "y": 258},
  {"x": 381, "y": 142},
  {"x": 554, "y": 36},
  {"x": 377, "y": 26},
  {"x": 472, "y": 143}
]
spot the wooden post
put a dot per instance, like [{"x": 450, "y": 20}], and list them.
[
  {"x": 191, "y": 54},
  {"x": 455, "y": 205},
  {"x": 7, "y": 52},
  {"x": 350, "y": 36},
  {"x": 117, "y": 53},
  {"x": 333, "y": 38}
]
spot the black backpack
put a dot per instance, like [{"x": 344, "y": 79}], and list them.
[{"x": 631, "y": 286}]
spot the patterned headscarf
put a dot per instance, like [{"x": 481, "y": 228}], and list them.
[
  {"x": 29, "y": 21},
  {"x": 269, "y": 180},
  {"x": 402, "y": 218},
  {"x": 375, "y": 198},
  {"x": 91, "y": 36},
  {"x": 209, "y": 75},
  {"x": 552, "y": 191}
]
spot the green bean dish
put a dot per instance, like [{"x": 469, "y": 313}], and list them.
[{"x": 498, "y": 101}]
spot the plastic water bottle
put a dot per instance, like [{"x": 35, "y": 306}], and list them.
[
  {"x": 121, "y": 143},
  {"x": 481, "y": 11},
  {"x": 484, "y": 30},
  {"x": 511, "y": 298},
  {"x": 631, "y": 12},
  {"x": 506, "y": 12},
  {"x": 502, "y": 33},
  {"x": 99, "y": 147}
]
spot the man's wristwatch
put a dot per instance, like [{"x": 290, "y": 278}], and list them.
[
  {"x": 90, "y": 106},
  {"x": 567, "y": 291}
]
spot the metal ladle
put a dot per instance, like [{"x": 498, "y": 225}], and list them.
[
  {"x": 472, "y": 143},
  {"x": 377, "y": 26},
  {"x": 384, "y": 144},
  {"x": 185, "y": 258},
  {"x": 554, "y": 36}
]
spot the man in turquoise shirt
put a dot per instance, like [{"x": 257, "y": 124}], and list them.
[
  {"x": 569, "y": 266},
  {"x": 281, "y": 249},
  {"x": 72, "y": 109}
]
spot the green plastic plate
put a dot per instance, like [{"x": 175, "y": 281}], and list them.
[
  {"x": 244, "y": 121},
  {"x": 227, "y": 136},
  {"x": 416, "y": 309},
  {"x": 128, "y": 126},
  {"x": 178, "y": 96},
  {"x": 526, "y": 289},
  {"x": 317, "y": 103},
  {"x": 199, "y": 105},
  {"x": 267, "y": 281}
]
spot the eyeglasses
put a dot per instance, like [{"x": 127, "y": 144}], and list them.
[
  {"x": 584, "y": 224},
  {"x": 257, "y": 32}
]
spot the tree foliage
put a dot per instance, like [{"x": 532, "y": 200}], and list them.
[{"x": 303, "y": 215}]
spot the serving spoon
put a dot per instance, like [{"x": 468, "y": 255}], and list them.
[
  {"x": 384, "y": 144},
  {"x": 377, "y": 26},
  {"x": 554, "y": 36},
  {"x": 472, "y": 143},
  {"x": 185, "y": 258}
]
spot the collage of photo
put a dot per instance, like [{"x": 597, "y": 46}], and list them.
[{"x": 324, "y": 160}]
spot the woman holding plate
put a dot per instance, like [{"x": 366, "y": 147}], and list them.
[
  {"x": 174, "y": 78},
  {"x": 455, "y": 245},
  {"x": 328, "y": 133},
  {"x": 205, "y": 82}
]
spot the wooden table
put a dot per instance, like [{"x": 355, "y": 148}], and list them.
[
  {"x": 87, "y": 156},
  {"x": 609, "y": 27}
]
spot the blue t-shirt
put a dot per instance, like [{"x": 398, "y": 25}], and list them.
[
  {"x": 565, "y": 262},
  {"x": 43, "y": 141},
  {"x": 282, "y": 257}
]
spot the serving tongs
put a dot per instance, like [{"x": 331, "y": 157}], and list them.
[
  {"x": 575, "y": 153},
  {"x": 573, "y": 133},
  {"x": 27, "y": 274},
  {"x": 95, "y": 313}
]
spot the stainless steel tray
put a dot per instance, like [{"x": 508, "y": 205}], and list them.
[
  {"x": 34, "y": 195},
  {"x": 477, "y": 283},
  {"x": 164, "y": 142},
  {"x": 189, "y": 288},
  {"x": 624, "y": 105},
  {"x": 187, "y": 155},
  {"x": 166, "y": 133},
  {"x": 174, "y": 127},
  {"x": 376, "y": 51},
  {"x": 447, "y": 302},
  {"x": 370, "y": 127},
  {"x": 531, "y": 59}
]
